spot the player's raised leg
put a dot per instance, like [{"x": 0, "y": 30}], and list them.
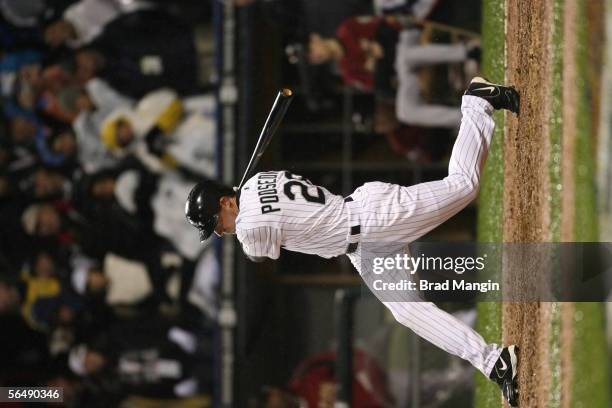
[{"x": 395, "y": 213}]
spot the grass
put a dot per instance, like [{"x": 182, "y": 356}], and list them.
[
  {"x": 556, "y": 122},
  {"x": 491, "y": 190},
  {"x": 556, "y": 130},
  {"x": 590, "y": 387},
  {"x": 589, "y": 351}
]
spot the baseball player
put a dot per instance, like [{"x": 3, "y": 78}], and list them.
[{"x": 277, "y": 209}]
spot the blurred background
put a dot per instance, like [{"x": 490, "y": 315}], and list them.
[{"x": 113, "y": 109}]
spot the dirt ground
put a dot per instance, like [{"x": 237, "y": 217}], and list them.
[
  {"x": 526, "y": 212},
  {"x": 526, "y": 191}
]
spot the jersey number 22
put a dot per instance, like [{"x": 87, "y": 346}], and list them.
[{"x": 299, "y": 181}]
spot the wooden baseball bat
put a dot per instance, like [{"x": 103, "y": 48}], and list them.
[{"x": 275, "y": 117}]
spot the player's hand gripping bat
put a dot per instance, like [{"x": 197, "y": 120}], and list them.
[{"x": 279, "y": 108}]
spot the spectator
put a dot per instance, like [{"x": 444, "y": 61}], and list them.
[
  {"x": 41, "y": 292},
  {"x": 42, "y": 220},
  {"x": 129, "y": 360},
  {"x": 44, "y": 184},
  {"x": 162, "y": 135},
  {"x": 120, "y": 281},
  {"x": 313, "y": 384},
  {"x": 24, "y": 130},
  {"x": 158, "y": 201},
  {"x": 363, "y": 49},
  {"x": 57, "y": 148},
  {"x": 16, "y": 63},
  {"x": 364, "y": 45},
  {"x": 85, "y": 20},
  {"x": 9, "y": 297},
  {"x": 354, "y": 49},
  {"x": 410, "y": 106},
  {"x": 140, "y": 52},
  {"x": 96, "y": 103}
]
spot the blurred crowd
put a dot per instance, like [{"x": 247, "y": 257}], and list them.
[{"x": 105, "y": 290}]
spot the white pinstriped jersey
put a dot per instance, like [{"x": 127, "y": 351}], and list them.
[
  {"x": 278, "y": 209},
  {"x": 281, "y": 209}
]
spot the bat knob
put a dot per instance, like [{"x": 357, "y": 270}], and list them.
[{"x": 235, "y": 188}]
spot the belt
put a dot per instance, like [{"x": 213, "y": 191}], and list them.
[{"x": 355, "y": 232}]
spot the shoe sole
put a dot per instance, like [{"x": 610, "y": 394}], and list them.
[
  {"x": 482, "y": 80},
  {"x": 512, "y": 350}
]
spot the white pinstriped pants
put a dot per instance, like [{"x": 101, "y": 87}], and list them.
[{"x": 397, "y": 215}]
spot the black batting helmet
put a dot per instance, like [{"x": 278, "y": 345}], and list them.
[{"x": 202, "y": 206}]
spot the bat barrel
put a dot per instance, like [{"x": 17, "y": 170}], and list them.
[{"x": 275, "y": 117}]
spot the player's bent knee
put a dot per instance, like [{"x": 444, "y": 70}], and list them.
[
  {"x": 471, "y": 187},
  {"x": 472, "y": 191},
  {"x": 464, "y": 187}
]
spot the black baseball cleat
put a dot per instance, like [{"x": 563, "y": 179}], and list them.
[
  {"x": 499, "y": 96},
  {"x": 504, "y": 374}
]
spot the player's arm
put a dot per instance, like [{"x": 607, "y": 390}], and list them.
[{"x": 259, "y": 243}]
